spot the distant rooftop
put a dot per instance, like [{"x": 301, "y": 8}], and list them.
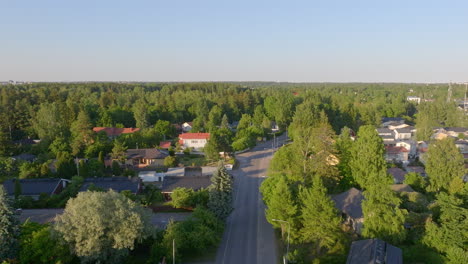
[
  {"x": 374, "y": 251},
  {"x": 117, "y": 184},
  {"x": 195, "y": 183},
  {"x": 349, "y": 202}
]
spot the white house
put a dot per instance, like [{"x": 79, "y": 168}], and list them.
[
  {"x": 187, "y": 126},
  {"x": 409, "y": 145},
  {"x": 413, "y": 99},
  {"x": 403, "y": 133},
  {"x": 194, "y": 140}
]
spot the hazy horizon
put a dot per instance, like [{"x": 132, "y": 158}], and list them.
[{"x": 241, "y": 41}]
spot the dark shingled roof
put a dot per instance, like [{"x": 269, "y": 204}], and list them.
[
  {"x": 33, "y": 186},
  {"x": 393, "y": 119},
  {"x": 152, "y": 153},
  {"x": 350, "y": 202},
  {"x": 404, "y": 130},
  {"x": 384, "y": 130},
  {"x": 457, "y": 129},
  {"x": 117, "y": 184},
  {"x": 397, "y": 174},
  {"x": 25, "y": 157},
  {"x": 193, "y": 182},
  {"x": 374, "y": 251}
]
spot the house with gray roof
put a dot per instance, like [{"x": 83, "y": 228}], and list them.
[
  {"x": 117, "y": 184},
  {"x": 143, "y": 158},
  {"x": 374, "y": 251},
  {"x": 193, "y": 182},
  {"x": 35, "y": 187},
  {"x": 349, "y": 203},
  {"x": 397, "y": 174}
]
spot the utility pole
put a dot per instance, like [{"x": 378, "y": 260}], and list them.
[
  {"x": 289, "y": 230},
  {"x": 173, "y": 251}
]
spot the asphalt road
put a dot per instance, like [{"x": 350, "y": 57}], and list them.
[{"x": 248, "y": 237}]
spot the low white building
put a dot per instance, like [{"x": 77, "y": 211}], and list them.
[
  {"x": 151, "y": 176},
  {"x": 194, "y": 140},
  {"x": 187, "y": 127},
  {"x": 413, "y": 99}
]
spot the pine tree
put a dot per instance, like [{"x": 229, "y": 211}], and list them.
[
  {"x": 118, "y": 152},
  {"x": 281, "y": 203},
  {"x": 220, "y": 200},
  {"x": 367, "y": 161},
  {"x": 9, "y": 231},
  {"x": 444, "y": 164},
  {"x": 82, "y": 133},
  {"x": 382, "y": 216},
  {"x": 319, "y": 217},
  {"x": 225, "y": 122}
]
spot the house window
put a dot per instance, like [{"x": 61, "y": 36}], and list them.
[{"x": 194, "y": 141}]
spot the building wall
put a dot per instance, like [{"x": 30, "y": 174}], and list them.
[{"x": 194, "y": 143}]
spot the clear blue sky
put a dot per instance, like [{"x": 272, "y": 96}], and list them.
[{"x": 197, "y": 40}]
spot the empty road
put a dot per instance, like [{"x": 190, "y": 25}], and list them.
[{"x": 248, "y": 237}]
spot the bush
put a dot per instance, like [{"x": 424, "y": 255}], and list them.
[
  {"x": 182, "y": 197},
  {"x": 198, "y": 233},
  {"x": 170, "y": 161}
]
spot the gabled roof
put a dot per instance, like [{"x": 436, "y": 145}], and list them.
[
  {"x": 401, "y": 188},
  {"x": 194, "y": 182},
  {"x": 152, "y": 153},
  {"x": 349, "y": 202},
  {"x": 404, "y": 130},
  {"x": 187, "y": 124},
  {"x": 384, "y": 130},
  {"x": 115, "y": 131},
  {"x": 392, "y": 119},
  {"x": 165, "y": 144},
  {"x": 395, "y": 150},
  {"x": 33, "y": 186},
  {"x": 397, "y": 173},
  {"x": 25, "y": 157},
  {"x": 117, "y": 184},
  {"x": 457, "y": 129},
  {"x": 374, "y": 251},
  {"x": 194, "y": 136}
]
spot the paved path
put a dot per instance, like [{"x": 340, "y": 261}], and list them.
[{"x": 249, "y": 238}]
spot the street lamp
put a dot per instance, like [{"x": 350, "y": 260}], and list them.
[{"x": 289, "y": 229}]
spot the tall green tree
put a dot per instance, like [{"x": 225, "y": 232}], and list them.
[
  {"x": 101, "y": 227},
  {"x": 344, "y": 145},
  {"x": 220, "y": 190},
  {"x": 367, "y": 161},
  {"x": 382, "y": 216},
  {"x": 82, "y": 133},
  {"x": 140, "y": 113},
  {"x": 281, "y": 203},
  {"x": 319, "y": 217},
  {"x": 118, "y": 151},
  {"x": 9, "y": 231},
  {"x": 164, "y": 128},
  {"x": 444, "y": 165},
  {"x": 449, "y": 231}
]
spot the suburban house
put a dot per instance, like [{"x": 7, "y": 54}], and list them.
[
  {"x": 396, "y": 154},
  {"x": 35, "y": 187},
  {"x": 187, "y": 127},
  {"x": 397, "y": 174},
  {"x": 403, "y": 133},
  {"x": 413, "y": 99},
  {"x": 394, "y": 126},
  {"x": 384, "y": 131},
  {"x": 165, "y": 144},
  {"x": 462, "y": 145},
  {"x": 349, "y": 203},
  {"x": 457, "y": 131},
  {"x": 410, "y": 145},
  {"x": 141, "y": 158},
  {"x": 191, "y": 182},
  {"x": 191, "y": 171},
  {"x": 113, "y": 132},
  {"x": 386, "y": 121},
  {"x": 374, "y": 251},
  {"x": 117, "y": 184},
  {"x": 151, "y": 176},
  {"x": 25, "y": 157},
  {"x": 194, "y": 140}
]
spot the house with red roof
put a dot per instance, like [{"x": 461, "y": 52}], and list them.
[
  {"x": 165, "y": 144},
  {"x": 113, "y": 132},
  {"x": 396, "y": 154},
  {"x": 194, "y": 140}
]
